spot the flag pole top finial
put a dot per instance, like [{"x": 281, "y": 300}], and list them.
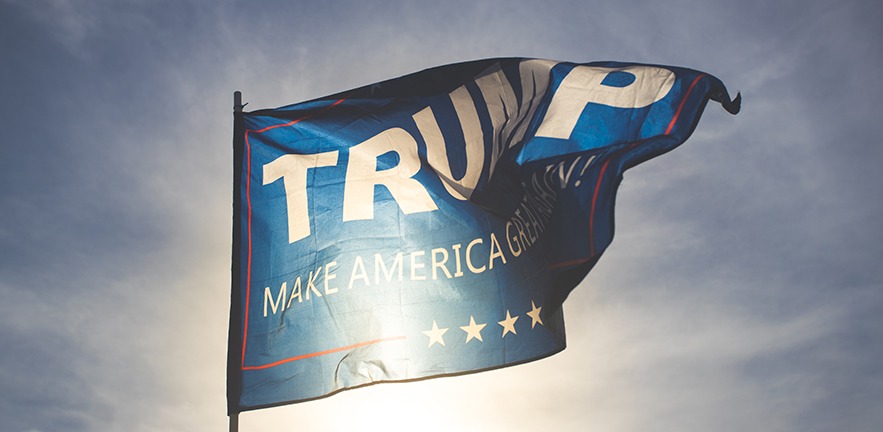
[{"x": 237, "y": 101}]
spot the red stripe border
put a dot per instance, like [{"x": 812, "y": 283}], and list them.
[
  {"x": 668, "y": 130},
  {"x": 681, "y": 106},
  {"x": 321, "y": 353}
]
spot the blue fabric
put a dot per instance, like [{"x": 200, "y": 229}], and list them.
[{"x": 470, "y": 285}]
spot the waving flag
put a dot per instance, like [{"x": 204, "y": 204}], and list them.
[{"x": 433, "y": 224}]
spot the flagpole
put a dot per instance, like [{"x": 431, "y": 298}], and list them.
[
  {"x": 237, "y": 101},
  {"x": 234, "y": 422},
  {"x": 235, "y": 330}
]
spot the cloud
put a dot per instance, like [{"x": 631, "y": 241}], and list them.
[{"x": 742, "y": 289}]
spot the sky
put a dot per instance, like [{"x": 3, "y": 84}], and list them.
[{"x": 742, "y": 291}]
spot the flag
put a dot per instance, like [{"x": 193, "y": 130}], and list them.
[{"x": 433, "y": 224}]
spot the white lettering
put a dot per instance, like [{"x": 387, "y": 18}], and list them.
[
  {"x": 582, "y": 86},
  {"x": 495, "y": 246},
  {"x": 359, "y": 267},
  {"x": 436, "y": 147},
  {"x": 362, "y": 176},
  {"x": 415, "y": 265},
  {"x": 534, "y": 82},
  {"x": 459, "y": 270},
  {"x": 268, "y": 298},
  {"x": 295, "y": 292},
  {"x": 510, "y": 238},
  {"x": 501, "y": 105},
  {"x": 440, "y": 264},
  {"x": 471, "y": 267},
  {"x": 329, "y": 277},
  {"x": 311, "y": 283},
  {"x": 292, "y": 169},
  {"x": 379, "y": 264}
]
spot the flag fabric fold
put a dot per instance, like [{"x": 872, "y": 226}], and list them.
[{"x": 433, "y": 224}]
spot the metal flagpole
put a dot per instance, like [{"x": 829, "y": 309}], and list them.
[
  {"x": 234, "y": 422},
  {"x": 237, "y": 101},
  {"x": 233, "y": 359}
]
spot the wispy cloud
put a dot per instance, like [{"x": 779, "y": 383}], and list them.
[{"x": 742, "y": 290}]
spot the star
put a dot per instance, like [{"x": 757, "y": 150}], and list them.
[
  {"x": 435, "y": 334},
  {"x": 473, "y": 330},
  {"x": 534, "y": 315},
  {"x": 508, "y": 324}
]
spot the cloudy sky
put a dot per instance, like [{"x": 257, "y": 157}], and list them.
[{"x": 743, "y": 290}]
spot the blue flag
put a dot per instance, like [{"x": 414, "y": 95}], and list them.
[{"x": 433, "y": 224}]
